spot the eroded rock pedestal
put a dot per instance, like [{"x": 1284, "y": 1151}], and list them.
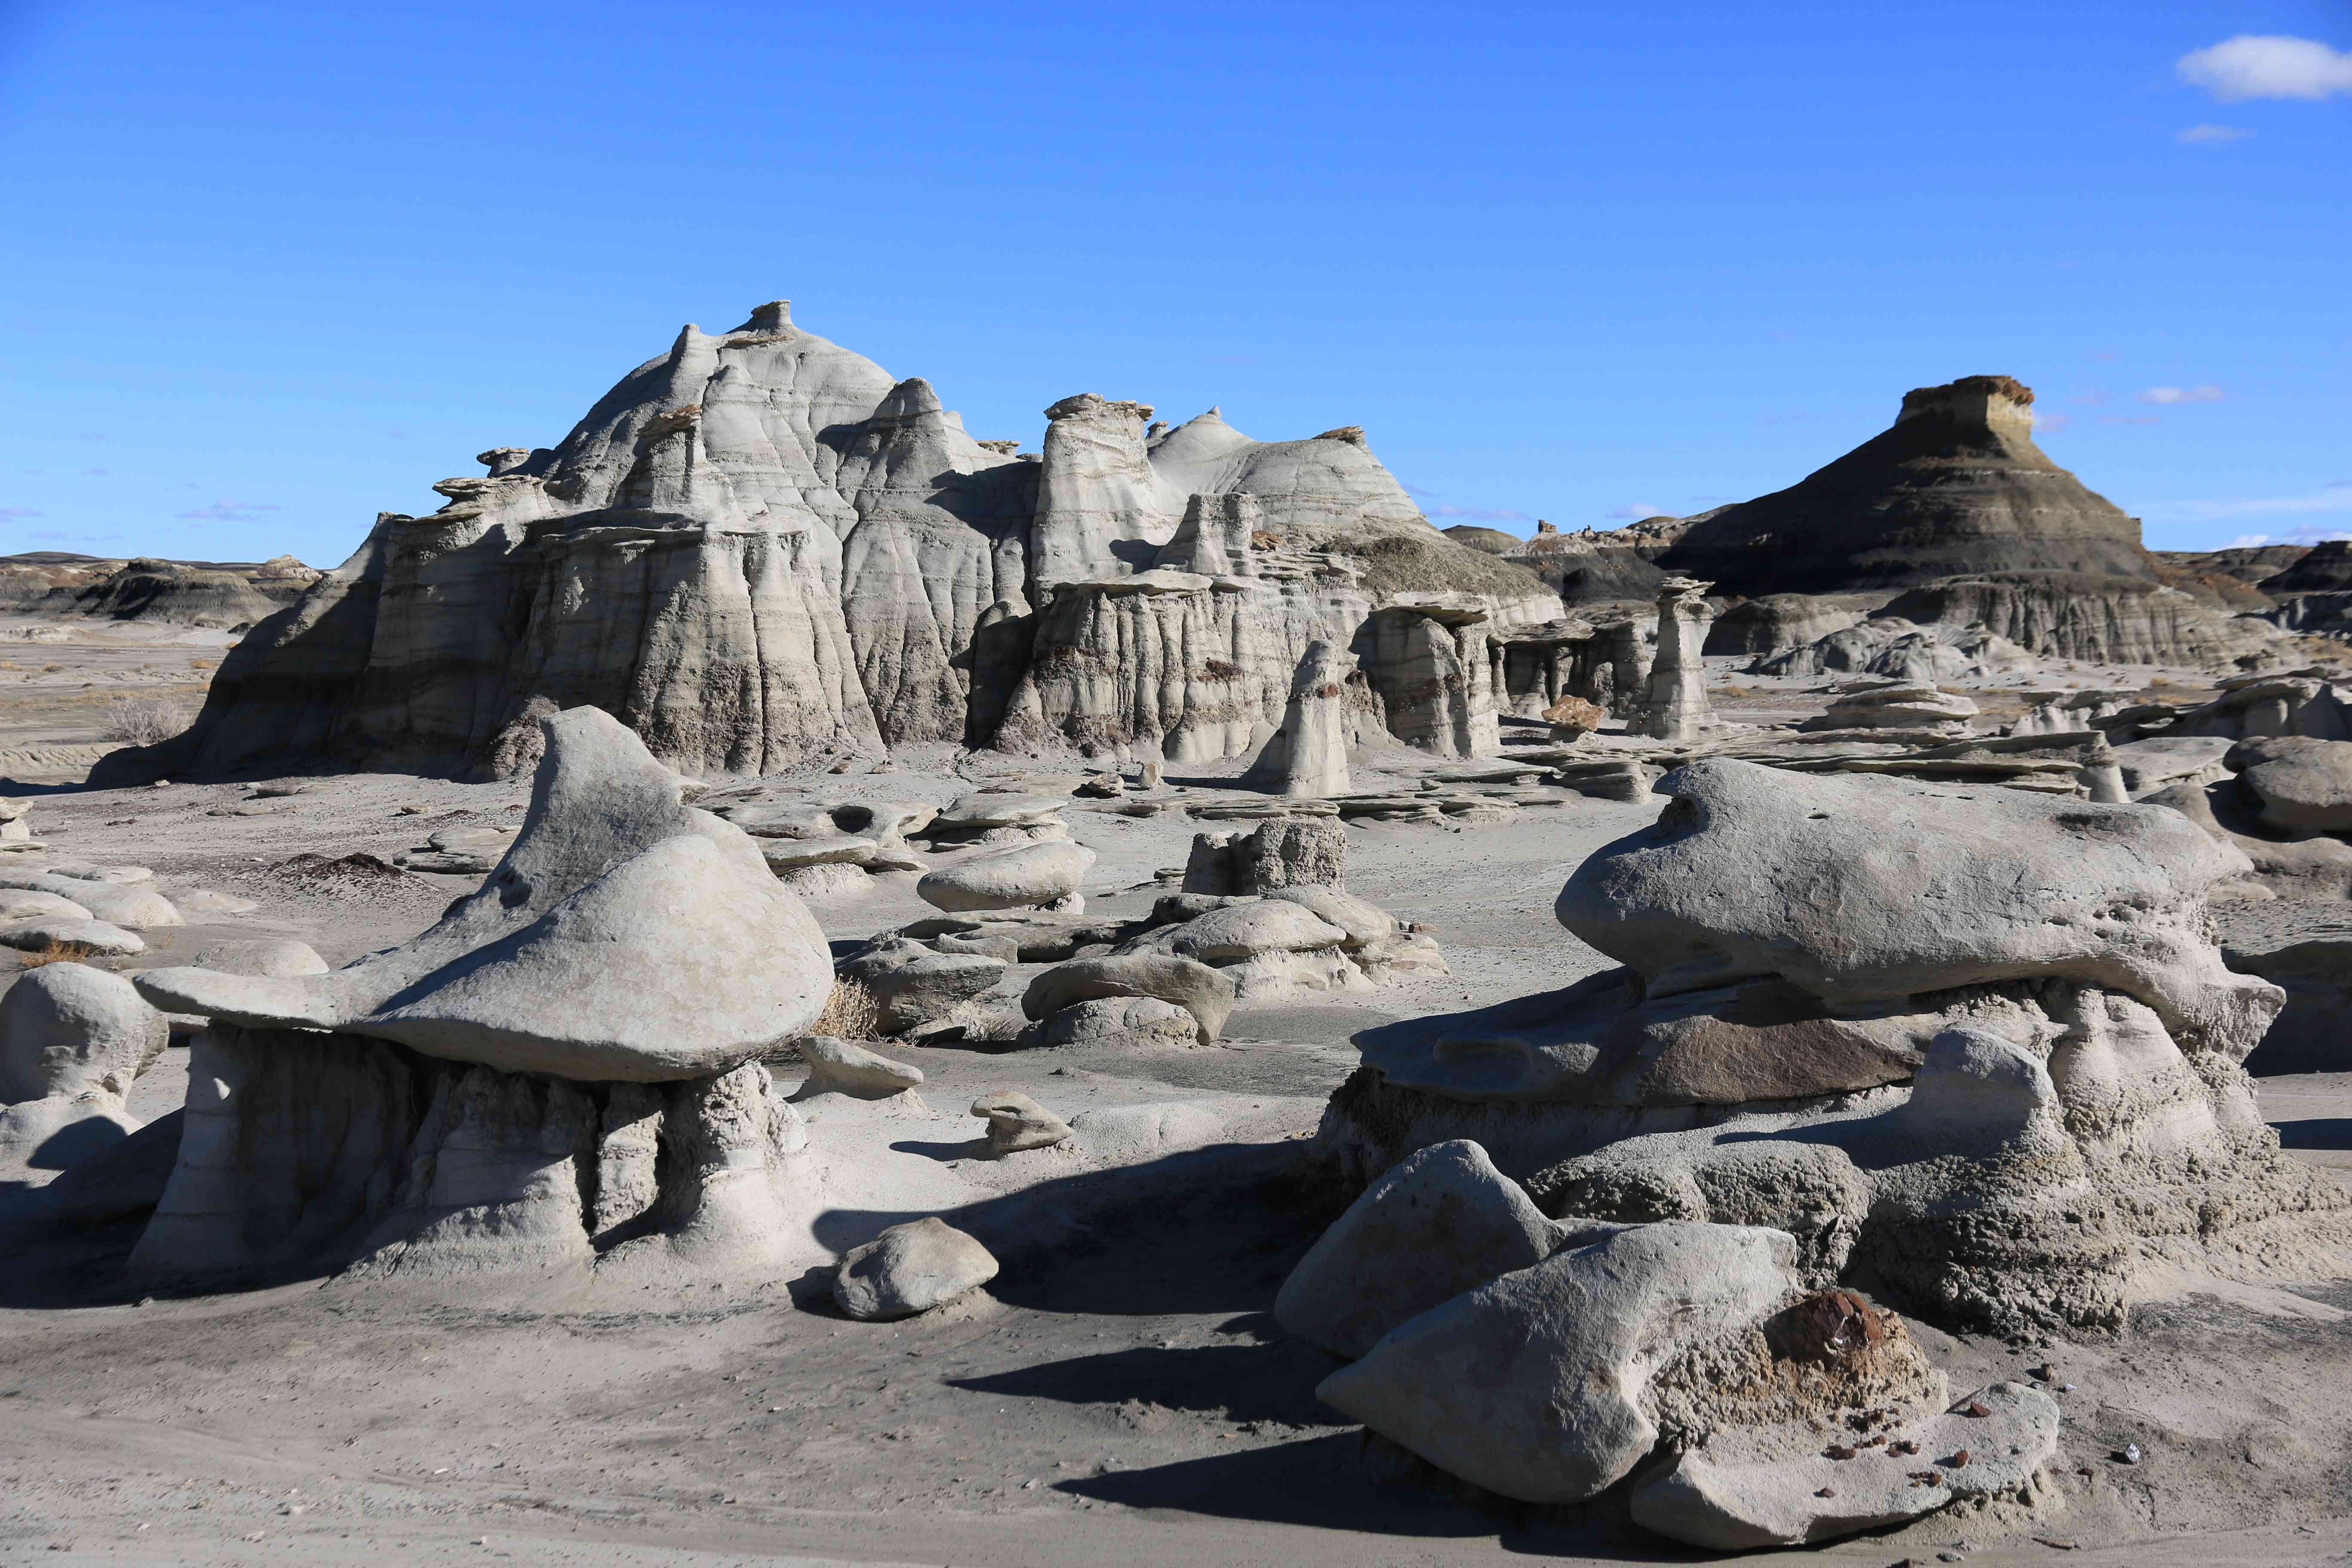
[{"x": 1973, "y": 1048}]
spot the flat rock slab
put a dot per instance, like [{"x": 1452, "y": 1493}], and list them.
[
  {"x": 96, "y": 938},
  {"x": 1780, "y": 1486}
]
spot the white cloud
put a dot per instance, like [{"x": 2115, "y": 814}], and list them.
[
  {"x": 2211, "y": 135},
  {"x": 2267, "y": 66},
  {"x": 2182, "y": 395},
  {"x": 2052, "y": 424},
  {"x": 1639, "y": 511},
  {"x": 17, "y": 511}
]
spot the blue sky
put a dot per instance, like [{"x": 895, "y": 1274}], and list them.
[{"x": 270, "y": 270}]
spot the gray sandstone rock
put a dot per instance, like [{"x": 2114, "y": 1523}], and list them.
[
  {"x": 1016, "y": 1122},
  {"x": 1779, "y": 1485},
  {"x": 138, "y": 908},
  {"x": 1361, "y": 924},
  {"x": 1532, "y": 1384},
  {"x": 277, "y": 956},
  {"x": 25, "y": 904},
  {"x": 1864, "y": 889},
  {"x": 1246, "y": 930},
  {"x": 99, "y": 939},
  {"x": 929, "y": 988},
  {"x": 1199, "y": 990},
  {"x": 910, "y": 1268},
  {"x": 798, "y": 854},
  {"x": 1307, "y": 755},
  {"x": 1030, "y": 876},
  {"x": 627, "y": 936},
  {"x": 1121, "y": 1023},
  {"x": 67, "y": 1030},
  {"x": 2301, "y": 784},
  {"x": 1676, "y": 706},
  {"x": 844, "y": 1067},
  {"x": 1442, "y": 1222},
  {"x": 1896, "y": 706}
]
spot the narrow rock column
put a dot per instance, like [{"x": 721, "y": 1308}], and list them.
[
  {"x": 1616, "y": 667},
  {"x": 1308, "y": 755},
  {"x": 1677, "y": 707},
  {"x": 2102, "y": 775}
]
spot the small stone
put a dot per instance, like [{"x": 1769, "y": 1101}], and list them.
[
  {"x": 1016, "y": 1122},
  {"x": 910, "y": 1268},
  {"x": 1837, "y": 1451},
  {"x": 1826, "y": 1492},
  {"x": 1956, "y": 1460},
  {"x": 2130, "y": 1455},
  {"x": 843, "y": 1067}
]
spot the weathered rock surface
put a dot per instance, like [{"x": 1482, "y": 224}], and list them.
[
  {"x": 1862, "y": 890},
  {"x": 1307, "y": 754},
  {"x": 1030, "y": 876},
  {"x": 95, "y": 939},
  {"x": 1246, "y": 930},
  {"x": 1443, "y": 1222},
  {"x": 1199, "y": 990},
  {"x": 844, "y": 1067},
  {"x": 1018, "y": 1124},
  {"x": 1532, "y": 1386},
  {"x": 1676, "y": 706},
  {"x": 67, "y": 1030},
  {"x": 1781, "y": 1485},
  {"x": 910, "y": 1268},
  {"x": 2301, "y": 784},
  {"x": 627, "y": 936},
  {"x": 1898, "y": 707}
]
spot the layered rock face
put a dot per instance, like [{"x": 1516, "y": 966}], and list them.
[
  {"x": 1956, "y": 487},
  {"x": 760, "y": 546},
  {"x": 1974, "y": 1048}
]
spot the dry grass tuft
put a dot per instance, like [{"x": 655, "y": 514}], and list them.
[
  {"x": 56, "y": 952},
  {"x": 850, "y": 1013},
  {"x": 143, "y": 720}
]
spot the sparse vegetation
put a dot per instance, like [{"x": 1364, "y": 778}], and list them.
[
  {"x": 850, "y": 1013},
  {"x": 143, "y": 720},
  {"x": 56, "y": 952}
]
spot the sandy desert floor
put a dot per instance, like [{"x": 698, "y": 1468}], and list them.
[{"x": 1121, "y": 1395}]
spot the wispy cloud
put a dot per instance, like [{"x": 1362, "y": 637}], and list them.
[
  {"x": 2326, "y": 499},
  {"x": 1481, "y": 514},
  {"x": 17, "y": 511},
  {"x": 96, "y": 473},
  {"x": 226, "y": 510},
  {"x": 1413, "y": 489},
  {"x": 2182, "y": 395},
  {"x": 2052, "y": 424},
  {"x": 2092, "y": 398},
  {"x": 2129, "y": 419},
  {"x": 2211, "y": 135},
  {"x": 2267, "y": 66},
  {"x": 1639, "y": 511},
  {"x": 59, "y": 536}
]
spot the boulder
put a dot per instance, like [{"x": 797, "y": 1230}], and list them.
[
  {"x": 1442, "y": 1222},
  {"x": 625, "y": 937},
  {"x": 1531, "y": 1385},
  {"x": 1862, "y": 889},
  {"x": 2301, "y": 784},
  {"x": 1781, "y": 1485},
  {"x": 1246, "y": 930},
  {"x": 1361, "y": 924},
  {"x": 1572, "y": 718},
  {"x": 67, "y": 1030},
  {"x": 96, "y": 938},
  {"x": 26, "y": 904},
  {"x": 1120, "y": 1023},
  {"x": 987, "y": 809},
  {"x": 844, "y": 1067},
  {"x": 930, "y": 987},
  {"x": 1016, "y": 1122},
  {"x": 910, "y": 1268},
  {"x": 1199, "y": 990},
  {"x": 1030, "y": 876},
  {"x": 279, "y": 956},
  {"x": 137, "y": 907}
]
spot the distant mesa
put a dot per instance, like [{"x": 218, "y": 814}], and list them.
[{"x": 1954, "y": 488}]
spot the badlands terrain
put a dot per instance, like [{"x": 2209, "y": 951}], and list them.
[{"x": 1813, "y": 1025}]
